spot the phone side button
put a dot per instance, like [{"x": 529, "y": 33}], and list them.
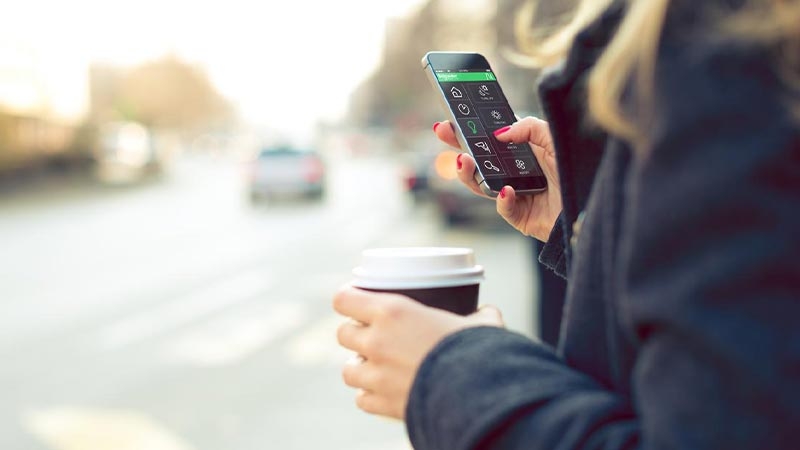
[{"x": 484, "y": 186}]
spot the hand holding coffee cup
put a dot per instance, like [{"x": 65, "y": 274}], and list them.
[
  {"x": 442, "y": 277},
  {"x": 391, "y": 334}
]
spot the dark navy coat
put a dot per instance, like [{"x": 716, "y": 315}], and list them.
[{"x": 681, "y": 328}]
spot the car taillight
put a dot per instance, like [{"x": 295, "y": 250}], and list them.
[
  {"x": 409, "y": 179},
  {"x": 312, "y": 170}
]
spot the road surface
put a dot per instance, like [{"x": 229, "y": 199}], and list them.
[{"x": 176, "y": 315}]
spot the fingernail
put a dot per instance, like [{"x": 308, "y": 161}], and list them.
[
  {"x": 436, "y": 125},
  {"x": 503, "y": 192},
  {"x": 500, "y": 131},
  {"x": 458, "y": 162}
]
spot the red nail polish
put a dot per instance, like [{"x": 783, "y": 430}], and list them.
[
  {"x": 500, "y": 131},
  {"x": 458, "y": 162},
  {"x": 503, "y": 192},
  {"x": 436, "y": 125}
]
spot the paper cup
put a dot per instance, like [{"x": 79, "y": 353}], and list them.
[{"x": 442, "y": 277}]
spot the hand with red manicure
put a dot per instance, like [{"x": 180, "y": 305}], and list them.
[
  {"x": 533, "y": 215},
  {"x": 392, "y": 334}
]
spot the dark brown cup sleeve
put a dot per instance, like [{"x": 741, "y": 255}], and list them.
[{"x": 461, "y": 300}]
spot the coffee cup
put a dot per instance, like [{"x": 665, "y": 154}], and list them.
[{"x": 442, "y": 277}]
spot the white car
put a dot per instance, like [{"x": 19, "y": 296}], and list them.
[
  {"x": 125, "y": 152},
  {"x": 286, "y": 171}
]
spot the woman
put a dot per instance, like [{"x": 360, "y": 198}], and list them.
[{"x": 674, "y": 212}]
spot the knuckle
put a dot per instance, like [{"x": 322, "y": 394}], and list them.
[
  {"x": 338, "y": 300},
  {"x": 372, "y": 347},
  {"x": 527, "y": 121},
  {"x": 350, "y": 376},
  {"x": 343, "y": 334},
  {"x": 394, "y": 308},
  {"x": 361, "y": 402},
  {"x": 378, "y": 378},
  {"x": 367, "y": 403}
]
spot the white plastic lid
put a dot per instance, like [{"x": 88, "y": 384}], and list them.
[{"x": 417, "y": 268}]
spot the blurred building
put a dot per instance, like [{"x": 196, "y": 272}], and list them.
[
  {"x": 43, "y": 99},
  {"x": 398, "y": 94}
]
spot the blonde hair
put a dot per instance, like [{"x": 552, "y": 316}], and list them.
[{"x": 632, "y": 51}]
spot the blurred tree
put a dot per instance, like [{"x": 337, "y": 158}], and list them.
[
  {"x": 397, "y": 94},
  {"x": 166, "y": 94}
]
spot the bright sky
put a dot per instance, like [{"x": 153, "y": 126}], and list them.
[{"x": 284, "y": 64}]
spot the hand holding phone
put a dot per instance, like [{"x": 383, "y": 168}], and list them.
[{"x": 476, "y": 106}]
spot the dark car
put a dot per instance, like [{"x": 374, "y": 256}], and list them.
[
  {"x": 285, "y": 171},
  {"x": 415, "y": 170},
  {"x": 456, "y": 204}
]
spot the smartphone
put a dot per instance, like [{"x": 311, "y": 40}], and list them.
[{"x": 476, "y": 106}]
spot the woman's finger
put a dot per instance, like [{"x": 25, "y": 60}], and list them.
[
  {"x": 489, "y": 315},
  {"x": 369, "y": 402},
  {"x": 353, "y": 336},
  {"x": 465, "y": 167},
  {"x": 357, "y": 303},
  {"x": 546, "y": 159},
  {"x": 506, "y": 202},
  {"x": 530, "y": 129},
  {"x": 363, "y": 375},
  {"x": 444, "y": 131},
  {"x": 373, "y": 403}
]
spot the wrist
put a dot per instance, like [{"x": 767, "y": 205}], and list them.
[{"x": 544, "y": 229}]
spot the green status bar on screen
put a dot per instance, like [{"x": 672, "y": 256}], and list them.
[{"x": 464, "y": 76}]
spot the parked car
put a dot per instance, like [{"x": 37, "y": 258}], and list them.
[
  {"x": 454, "y": 201},
  {"x": 286, "y": 171},
  {"x": 126, "y": 152},
  {"x": 415, "y": 173}
]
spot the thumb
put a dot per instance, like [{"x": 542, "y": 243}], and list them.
[
  {"x": 505, "y": 204},
  {"x": 488, "y": 315}
]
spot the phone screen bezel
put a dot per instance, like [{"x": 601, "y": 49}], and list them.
[{"x": 477, "y": 62}]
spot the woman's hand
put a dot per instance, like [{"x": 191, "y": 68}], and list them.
[
  {"x": 533, "y": 215},
  {"x": 392, "y": 334}
]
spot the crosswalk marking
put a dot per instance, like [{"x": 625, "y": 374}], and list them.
[
  {"x": 74, "y": 428},
  {"x": 179, "y": 312},
  {"x": 230, "y": 339}
]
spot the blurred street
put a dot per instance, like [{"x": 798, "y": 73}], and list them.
[{"x": 177, "y": 315}]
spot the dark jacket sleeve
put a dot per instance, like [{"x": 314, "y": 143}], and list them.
[
  {"x": 709, "y": 291},
  {"x": 553, "y": 254},
  {"x": 490, "y": 388}
]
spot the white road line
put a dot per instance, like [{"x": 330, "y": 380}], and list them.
[
  {"x": 74, "y": 428},
  {"x": 183, "y": 310},
  {"x": 228, "y": 340}
]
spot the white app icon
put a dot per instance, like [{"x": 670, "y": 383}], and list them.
[
  {"x": 484, "y": 146},
  {"x": 463, "y": 109},
  {"x": 490, "y": 166}
]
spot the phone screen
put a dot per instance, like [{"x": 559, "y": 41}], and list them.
[{"x": 478, "y": 107}]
